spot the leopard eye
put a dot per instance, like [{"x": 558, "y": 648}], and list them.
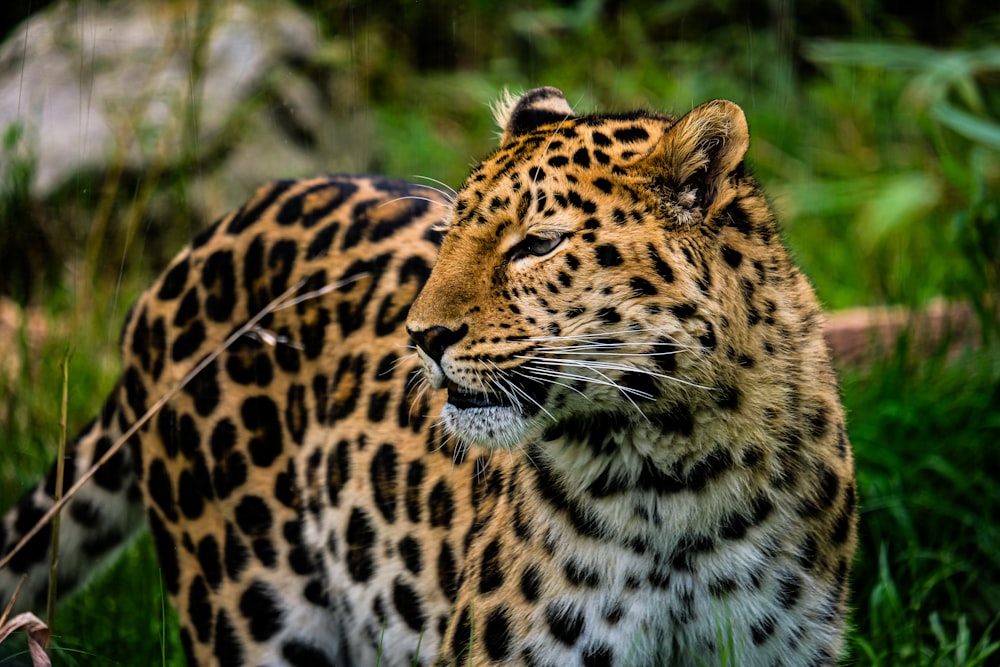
[{"x": 535, "y": 246}]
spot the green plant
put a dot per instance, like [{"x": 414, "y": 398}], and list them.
[{"x": 909, "y": 180}]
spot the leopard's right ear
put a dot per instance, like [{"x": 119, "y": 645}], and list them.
[
  {"x": 694, "y": 160},
  {"x": 520, "y": 115}
]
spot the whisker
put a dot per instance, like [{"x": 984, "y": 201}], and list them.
[
  {"x": 584, "y": 349},
  {"x": 438, "y": 425},
  {"x": 570, "y": 342},
  {"x": 448, "y": 192},
  {"x": 417, "y": 198},
  {"x": 527, "y": 373},
  {"x": 608, "y": 382},
  {"x": 598, "y": 366},
  {"x": 421, "y": 392},
  {"x": 406, "y": 358},
  {"x": 415, "y": 379},
  {"x": 600, "y": 334},
  {"x": 528, "y": 396},
  {"x": 524, "y": 452},
  {"x": 461, "y": 449},
  {"x": 448, "y": 439},
  {"x": 497, "y": 381}
]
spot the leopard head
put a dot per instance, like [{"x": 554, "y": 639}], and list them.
[{"x": 583, "y": 271}]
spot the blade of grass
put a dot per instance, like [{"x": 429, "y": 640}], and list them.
[
  {"x": 13, "y": 598},
  {"x": 967, "y": 125},
  {"x": 50, "y": 606},
  {"x": 163, "y": 622}
]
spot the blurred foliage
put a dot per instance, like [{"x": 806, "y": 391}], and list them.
[
  {"x": 926, "y": 211},
  {"x": 874, "y": 124},
  {"x": 14, "y": 204}
]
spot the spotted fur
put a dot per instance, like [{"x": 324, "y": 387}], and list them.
[{"x": 620, "y": 441}]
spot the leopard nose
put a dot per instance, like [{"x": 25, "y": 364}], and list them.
[{"x": 435, "y": 340}]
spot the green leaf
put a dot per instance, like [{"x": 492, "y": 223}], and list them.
[
  {"x": 967, "y": 125},
  {"x": 899, "y": 201}
]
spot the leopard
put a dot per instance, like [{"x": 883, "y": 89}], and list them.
[{"x": 579, "y": 411}]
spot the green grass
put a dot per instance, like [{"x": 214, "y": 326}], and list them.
[
  {"x": 880, "y": 154},
  {"x": 121, "y": 618},
  {"x": 927, "y": 576}
]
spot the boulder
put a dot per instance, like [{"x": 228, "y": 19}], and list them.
[{"x": 222, "y": 95}]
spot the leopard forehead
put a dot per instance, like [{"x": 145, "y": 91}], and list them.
[
  {"x": 557, "y": 167},
  {"x": 585, "y": 179}
]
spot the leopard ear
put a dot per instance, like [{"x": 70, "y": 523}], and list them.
[
  {"x": 696, "y": 156},
  {"x": 520, "y": 115}
]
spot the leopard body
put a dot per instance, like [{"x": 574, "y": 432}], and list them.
[{"x": 616, "y": 437}]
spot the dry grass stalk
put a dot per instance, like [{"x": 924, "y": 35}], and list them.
[{"x": 50, "y": 607}]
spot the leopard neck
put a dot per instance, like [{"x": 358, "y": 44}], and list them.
[{"x": 642, "y": 479}]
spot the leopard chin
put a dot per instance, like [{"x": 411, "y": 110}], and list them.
[{"x": 491, "y": 427}]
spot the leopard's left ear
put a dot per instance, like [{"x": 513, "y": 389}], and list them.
[
  {"x": 520, "y": 115},
  {"x": 696, "y": 156}
]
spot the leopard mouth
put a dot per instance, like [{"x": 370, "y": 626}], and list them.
[
  {"x": 522, "y": 394},
  {"x": 464, "y": 398},
  {"x": 496, "y": 415}
]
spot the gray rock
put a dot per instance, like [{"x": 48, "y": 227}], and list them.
[{"x": 226, "y": 95}]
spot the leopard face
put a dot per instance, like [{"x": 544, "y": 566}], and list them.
[{"x": 588, "y": 272}]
